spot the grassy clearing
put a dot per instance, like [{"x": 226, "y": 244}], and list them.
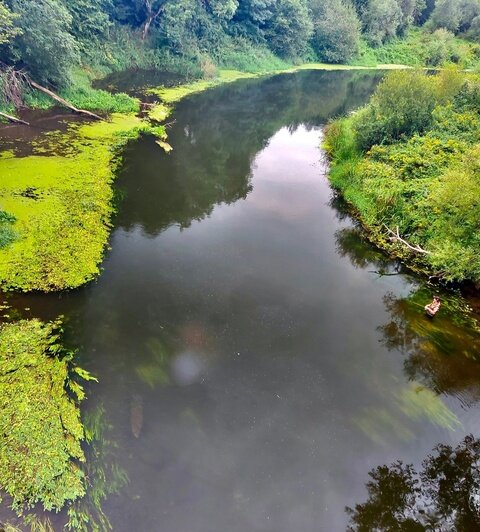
[{"x": 40, "y": 427}]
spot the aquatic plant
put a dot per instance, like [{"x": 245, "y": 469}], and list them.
[
  {"x": 61, "y": 229},
  {"x": 40, "y": 427}
]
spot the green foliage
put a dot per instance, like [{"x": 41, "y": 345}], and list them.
[
  {"x": 427, "y": 182},
  {"x": 40, "y": 424},
  {"x": 7, "y": 28},
  {"x": 336, "y": 31},
  {"x": 45, "y": 47},
  {"x": 289, "y": 29},
  {"x": 401, "y": 106},
  {"x": 421, "y": 48},
  {"x": 382, "y": 19},
  {"x": 103, "y": 474},
  {"x": 90, "y": 21}
]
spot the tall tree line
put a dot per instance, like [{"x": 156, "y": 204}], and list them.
[{"x": 50, "y": 37}]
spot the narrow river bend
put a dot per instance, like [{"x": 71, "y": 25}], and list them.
[{"x": 256, "y": 357}]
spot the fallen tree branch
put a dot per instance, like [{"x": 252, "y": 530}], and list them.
[
  {"x": 62, "y": 101},
  {"x": 396, "y": 237},
  {"x": 14, "y": 119}
]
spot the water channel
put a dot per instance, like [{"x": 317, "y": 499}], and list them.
[{"x": 256, "y": 356}]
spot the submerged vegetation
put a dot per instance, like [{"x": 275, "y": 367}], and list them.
[
  {"x": 408, "y": 163},
  {"x": 41, "y": 431}
]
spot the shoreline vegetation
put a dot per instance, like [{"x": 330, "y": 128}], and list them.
[
  {"x": 408, "y": 165},
  {"x": 41, "y": 439},
  {"x": 57, "y": 200}
]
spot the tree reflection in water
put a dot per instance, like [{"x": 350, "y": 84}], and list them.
[
  {"x": 444, "y": 495},
  {"x": 441, "y": 354}
]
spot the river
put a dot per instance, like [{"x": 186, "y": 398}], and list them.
[{"x": 256, "y": 357}]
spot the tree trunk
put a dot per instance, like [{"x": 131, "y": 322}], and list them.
[
  {"x": 14, "y": 119},
  {"x": 148, "y": 23},
  {"x": 64, "y": 102}
]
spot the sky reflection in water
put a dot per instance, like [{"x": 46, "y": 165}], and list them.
[{"x": 252, "y": 359}]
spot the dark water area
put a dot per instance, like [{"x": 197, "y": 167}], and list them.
[
  {"x": 135, "y": 80},
  {"x": 256, "y": 356}
]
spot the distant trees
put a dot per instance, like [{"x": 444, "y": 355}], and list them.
[
  {"x": 7, "y": 27},
  {"x": 289, "y": 28},
  {"x": 336, "y": 35},
  {"x": 457, "y": 16},
  {"x": 381, "y": 19},
  {"x": 50, "y": 37}
]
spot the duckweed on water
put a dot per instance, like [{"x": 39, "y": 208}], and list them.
[
  {"x": 40, "y": 427},
  {"x": 62, "y": 204}
]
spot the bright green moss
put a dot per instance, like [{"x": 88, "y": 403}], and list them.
[
  {"x": 62, "y": 204},
  {"x": 40, "y": 427}
]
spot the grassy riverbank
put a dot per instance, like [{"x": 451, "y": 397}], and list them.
[{"x": 408, "y": 164}]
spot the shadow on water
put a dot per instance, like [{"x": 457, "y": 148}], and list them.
[{"x": 215, "y": 139}]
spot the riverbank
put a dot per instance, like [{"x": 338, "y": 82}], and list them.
[
  {"x": 57, "y": 198},
  {"x": 407, "y": 164}
]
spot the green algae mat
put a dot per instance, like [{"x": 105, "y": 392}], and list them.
[
  {"x": 40, "y": 427},
  {"x": 59, "y": 203}
]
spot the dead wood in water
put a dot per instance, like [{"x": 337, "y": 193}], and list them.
[
  {"x": 18, "y": 80},
  {"x": 60, "y": 100},
  {"x": 14, "y": 119}
]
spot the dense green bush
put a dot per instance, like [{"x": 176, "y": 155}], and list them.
[
  {"x": 45, "y": 46},
  {"x": 425, "y": 178},
  {"x": 401, "y": 106}
]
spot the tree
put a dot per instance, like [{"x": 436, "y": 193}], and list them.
[
  {"x": 336, "y": 34},
  {"x": 381, "y": 20},
  {"x": 7, "y": 28},
  {"x": 251, "y": 16},
  {"x": 446, "y": 14},
  {"x": 46, "y": 48},
  {"x": 289, "y": 29},
  {"x": 90, "y": 20},
  {"x": 407, "y": 9},
  {"x": 223, "y": 9}
]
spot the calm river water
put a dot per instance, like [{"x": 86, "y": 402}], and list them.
[{"x": 255, "y": 356}]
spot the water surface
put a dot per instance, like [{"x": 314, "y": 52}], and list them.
[{"x": 256, "y": 356}]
